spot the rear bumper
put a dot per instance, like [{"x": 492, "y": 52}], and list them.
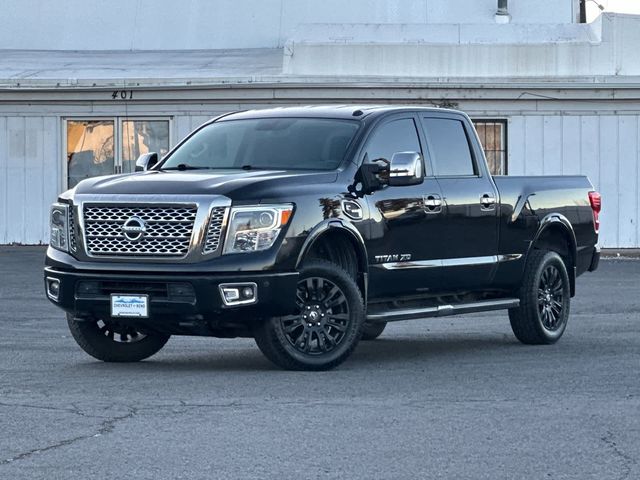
[
  {"x": 176, "y": 301},
  {"x": 595, "y": 259}
]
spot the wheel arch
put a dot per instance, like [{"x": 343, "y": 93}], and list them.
[
  {"x": 556, "y": 234},
  {"x": 327, "y": 241}
]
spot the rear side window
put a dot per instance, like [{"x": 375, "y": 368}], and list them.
[
  {"x": 393, "y": 137},
  {"x": 451, "y": 154}
]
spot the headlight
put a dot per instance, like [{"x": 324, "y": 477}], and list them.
[
  {"x": 252, "y": 229},
  {"x": 59, "y": 223}
]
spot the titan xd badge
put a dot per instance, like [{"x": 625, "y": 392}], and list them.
[{"x": 396, "y": 257}]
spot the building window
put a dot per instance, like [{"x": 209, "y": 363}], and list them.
[
  {"x": 493, "y": 136},
  {"x": 111, "y": 145}
]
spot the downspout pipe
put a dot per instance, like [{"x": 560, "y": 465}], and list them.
[{"x": 502, "y": 14}]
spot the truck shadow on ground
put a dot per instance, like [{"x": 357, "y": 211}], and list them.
[{"x": 429, "y": 351}]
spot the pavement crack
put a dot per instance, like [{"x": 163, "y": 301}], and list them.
[
  {"x": 74, "y": 409},
  {"x": 105, "y": 427},
  {"x": 626, "y": 460}
]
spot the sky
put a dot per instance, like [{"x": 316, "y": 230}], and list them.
[{"x": 622, "y": 6}]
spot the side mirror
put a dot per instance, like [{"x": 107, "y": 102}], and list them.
[
  {"x": 146, "y": 161},
  {"x": 405, "y": 168}
]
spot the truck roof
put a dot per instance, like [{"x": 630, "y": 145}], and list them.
[{"x": 351, "y": 112}]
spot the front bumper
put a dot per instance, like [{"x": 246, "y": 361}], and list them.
[{"x": 178, "y": 302}]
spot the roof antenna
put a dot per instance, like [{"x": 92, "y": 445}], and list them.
[{"x": 357, "y": 113}]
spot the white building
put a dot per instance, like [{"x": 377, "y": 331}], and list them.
[{"x": 86, "y": 86}]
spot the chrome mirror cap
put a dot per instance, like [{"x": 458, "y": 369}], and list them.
[
  {"x": 146, "y": 161},
  {"x": 405, "y": 169}
]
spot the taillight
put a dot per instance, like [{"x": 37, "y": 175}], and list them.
[{"x": 596, "y": 205}]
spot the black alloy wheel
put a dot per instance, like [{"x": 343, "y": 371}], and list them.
[
  {"x": 550, "y": 298},
  {"x": 322, "y": 318},
  {"x": 119, "y": 333}
]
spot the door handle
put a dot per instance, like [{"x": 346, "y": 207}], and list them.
[
  {"x": 432, "y": 203},
  {"x": 488, "y": 201}
]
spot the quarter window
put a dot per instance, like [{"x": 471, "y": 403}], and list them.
[
  {"x": 450, "y": 148},
  {"x": 393, "y": 137}
]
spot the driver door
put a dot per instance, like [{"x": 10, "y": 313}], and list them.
[{"x": 403, "y": 238}]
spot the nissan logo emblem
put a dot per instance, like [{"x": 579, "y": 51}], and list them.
[{"x": 134, "y": 229}]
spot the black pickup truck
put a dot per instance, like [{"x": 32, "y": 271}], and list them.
[{"x": 309, "y": 229}]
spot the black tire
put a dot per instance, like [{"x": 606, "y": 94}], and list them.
[
  {"x": 98, "y": 339},
  {"x": 323, "y": 333},
  {"x": 545, "y": 300},
  {"x": 371, "y": 331}
]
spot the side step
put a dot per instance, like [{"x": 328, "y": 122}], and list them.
[{"x": 443, "y": 310}]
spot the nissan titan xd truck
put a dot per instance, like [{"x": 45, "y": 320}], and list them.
[{"x": 309, "y": 229}]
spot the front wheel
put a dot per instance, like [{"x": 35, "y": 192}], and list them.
[
  {"x": 111, "y": 341},
  {"x": 327, "y": 324},
  {"x": 545, "y": 299}
]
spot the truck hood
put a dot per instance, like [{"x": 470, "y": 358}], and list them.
[{"x": 234, "y": 184}]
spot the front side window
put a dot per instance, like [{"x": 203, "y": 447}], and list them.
[
  {"x": 450, "y": 153},
  {"x": 393, "y": 137},
  {"x": 280, "y": 143}
]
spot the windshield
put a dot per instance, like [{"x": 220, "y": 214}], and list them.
[{"x": 279, "y": 143}]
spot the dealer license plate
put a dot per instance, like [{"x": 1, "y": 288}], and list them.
[{"x": 129, "y": 305}]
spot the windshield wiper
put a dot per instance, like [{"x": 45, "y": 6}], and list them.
[{"x": 184, "y": 166}]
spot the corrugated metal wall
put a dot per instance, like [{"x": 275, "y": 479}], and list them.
[
  {"x": 606, "y": 148},
  {"x": 30, "y": 177}
]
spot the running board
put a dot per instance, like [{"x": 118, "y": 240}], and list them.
[{"x": 443, "y": 310}]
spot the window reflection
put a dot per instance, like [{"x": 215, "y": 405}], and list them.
[
  {"x": 89, "y": 149},
  {"x": 143, "y": 136}
]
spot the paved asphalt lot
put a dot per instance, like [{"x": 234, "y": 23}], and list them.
[{"x": 439, "y": 398}]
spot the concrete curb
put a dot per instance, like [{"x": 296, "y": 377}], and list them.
[{"x": 613, "y": 253}]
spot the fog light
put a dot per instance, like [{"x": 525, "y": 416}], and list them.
[
  {"x": 238, "y": 293},
  {"x": 247, "y": 292},
  {"x": 53, "y": 288}
]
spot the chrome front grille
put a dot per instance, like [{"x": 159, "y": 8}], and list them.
[
  {"x": 214, "y": 231},
  {"x": 167, "y": 230}
]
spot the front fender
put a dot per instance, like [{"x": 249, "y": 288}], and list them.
[{"x": 333, "y": 224}]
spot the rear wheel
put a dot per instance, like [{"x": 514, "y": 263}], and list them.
[
  {"x": 327, "y": 324},
  {"x": 111, "y": 341},
  {"x": 371, "y": 331},
  {"x": 544, "y": 300}
]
